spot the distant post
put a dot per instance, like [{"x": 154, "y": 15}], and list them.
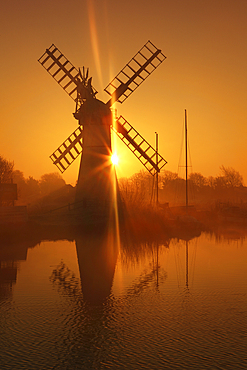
[
  {"x": 157, "y": 174},
  {"x": 186, "y": 161}
]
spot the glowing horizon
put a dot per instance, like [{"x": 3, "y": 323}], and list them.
[{"x": 205, "y": 73}]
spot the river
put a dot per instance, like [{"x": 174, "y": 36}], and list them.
[{"x": 98, "y": 303}]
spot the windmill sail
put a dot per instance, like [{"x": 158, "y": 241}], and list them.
[
  {"x": 134, "y": 73},
  {"x": 120, "y": 88},
  {"x": 59, "y": 67},
  {"x": 68, "y": 151},
  {"x": 71, "y": 148},
  {"x": 146, "y": 154}
]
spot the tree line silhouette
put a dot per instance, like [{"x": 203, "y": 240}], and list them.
[
  {"x": 29, "y": 189},
  {"x": 227, "y": 186},
  {"x": 139, "y": 189}
]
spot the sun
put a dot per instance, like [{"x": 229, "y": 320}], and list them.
[{"x": 114, "y": 159}]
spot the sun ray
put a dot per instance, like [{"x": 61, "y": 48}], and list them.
[{"x": 94, "y": 38}]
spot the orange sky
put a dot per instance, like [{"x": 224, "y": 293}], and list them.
[{"x": 205, "y": 72}]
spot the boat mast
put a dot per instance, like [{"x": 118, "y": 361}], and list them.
[
  {"x": 157, "y": 174},
  {"x": 186, "y": 161}
]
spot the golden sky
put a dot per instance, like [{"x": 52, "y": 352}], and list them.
[{"x": 205, "y": 72}]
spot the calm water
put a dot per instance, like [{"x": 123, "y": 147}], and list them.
[{"x": 94, "y": 304}]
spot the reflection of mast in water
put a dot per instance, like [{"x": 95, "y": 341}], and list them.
[
  {"x": 157, "y": 275},
  {"x": 189, "y": 272},
  {"x": 187, "y": 264},
  {"x": 97, "y": 258},
  {"x": 156, "y": 263}
]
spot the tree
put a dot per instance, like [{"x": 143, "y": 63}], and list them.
[
  {"x": 6, "y": 170},
  {"x": 19, "y": 179},
  {"x": 136, "y": 189},
  {"x": 51, "y": 182},
  {"x": 167, "y": 177},
  {"x": 211, "y": 182},
  {"x": 142, "y": 184},
  {"x": 198, "y": 179},
  {"x": 231, "y": 177},
  {"x": 33, "y": 186}
]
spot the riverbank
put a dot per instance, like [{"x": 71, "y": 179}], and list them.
[{"x": 142, "y": 224}]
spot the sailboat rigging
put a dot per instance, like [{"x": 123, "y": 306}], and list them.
[{"x": 186, "y": 161}]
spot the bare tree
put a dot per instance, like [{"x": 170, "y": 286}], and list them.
[
  {"x": 231, "y": 177},
  {"x": 136, "y": 189}
]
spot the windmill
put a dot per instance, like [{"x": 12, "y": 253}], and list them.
[{"x": 92, "y": 138}]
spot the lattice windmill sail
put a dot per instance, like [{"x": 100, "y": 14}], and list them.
[
  {"x": 58, "y": 66},
  {"x": 68, "y": 151},
  {"x": 134, "y": 73},
  {"x": 92, "y": 138},
  {"x": 146, "y": 154}
]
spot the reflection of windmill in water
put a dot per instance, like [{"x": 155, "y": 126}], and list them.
[
  {"x": 97, "y": 257},
  {"x": 92, "y": 139}
]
